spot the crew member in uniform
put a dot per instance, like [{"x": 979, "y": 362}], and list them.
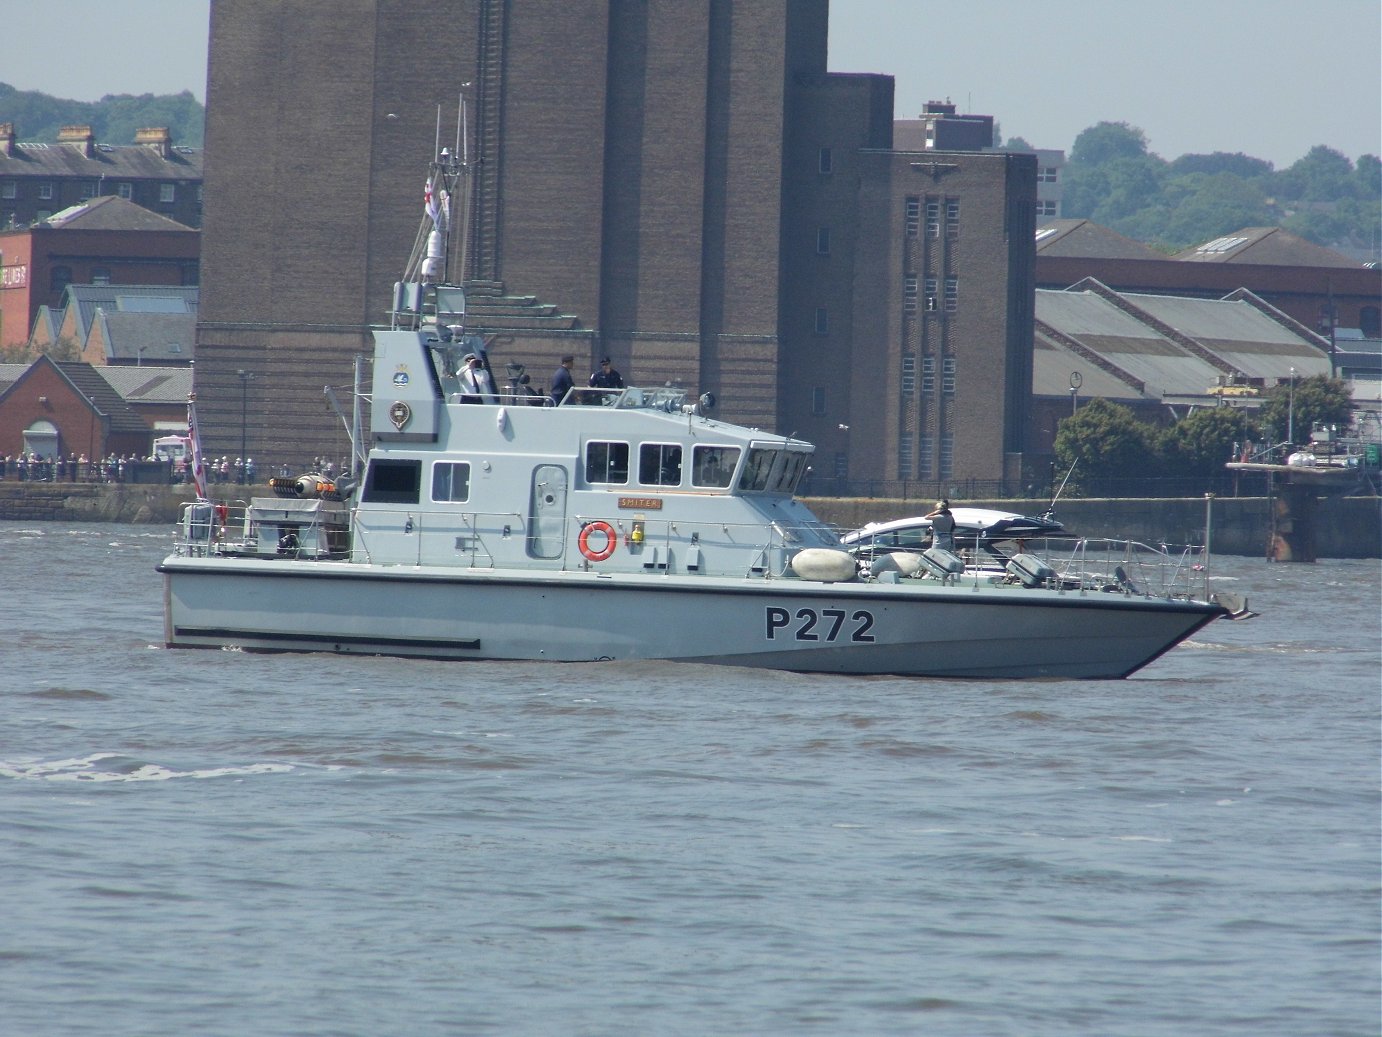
[{"x": 607, "y": 377}]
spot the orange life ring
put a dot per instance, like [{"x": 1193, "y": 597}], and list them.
[{"x": 610, "y": 541}]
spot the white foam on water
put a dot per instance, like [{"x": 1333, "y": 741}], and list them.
[{"x": 87, "y": 769}]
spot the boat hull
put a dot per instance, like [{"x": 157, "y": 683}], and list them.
[{"x": 917, "y": 628}]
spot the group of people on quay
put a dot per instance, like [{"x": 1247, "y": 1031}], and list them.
[
  {"x": 34, "y": 467},
  {"x": 115, "y": 468}
]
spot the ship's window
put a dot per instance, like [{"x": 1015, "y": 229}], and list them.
[
  {"x": 713, "y": 465},
  {"x": 757, "y": 469},
  {"x": 607, "y": 463},
  {"x": 659, "y": 464},
  {"x": 789, "y": 473},
  {"x": 451, "y": 482},
  {"x": 392, "y": 482}
]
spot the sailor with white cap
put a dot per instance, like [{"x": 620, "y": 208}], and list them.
[{"x": 477, "y": 385}]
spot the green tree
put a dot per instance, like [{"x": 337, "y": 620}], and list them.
[
  {"x": 1104, "y": 440},
  {"x": 1293, "y": 410},
  {"x": 1322, "y": 175},
  {"x": 1236, "y": 164},
  {"x": 1203, "y": 206},
  {"x": 1106, "y": 141},
  {"x": 1200, "y": 443}
]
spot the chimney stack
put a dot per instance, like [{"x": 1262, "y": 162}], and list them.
[
  {"x": 6, "y": 138},
  {"x": 156, "y": 137},
  {"x": 80, "y": 137}
]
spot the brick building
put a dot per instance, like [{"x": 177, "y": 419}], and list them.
[
  {"x": 59, "y": 409},
  {"x": 38, "y": 179},
  {"x": 724, "y": 216},
  {"x": 105, "y": 241}
]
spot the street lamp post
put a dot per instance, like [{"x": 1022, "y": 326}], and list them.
[
  {"x": 244, "y": 377},
  {"x": 1291, "y": 411}
]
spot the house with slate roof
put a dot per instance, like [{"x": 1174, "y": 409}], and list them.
[
  {"x": 122, "y": 324},
  {"x": 60, "y": 409},
  {"x": 40, "y": 178}
]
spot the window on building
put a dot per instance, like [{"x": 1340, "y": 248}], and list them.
[
  {"x": 931, "y": 286},
  {"x": 100, "y": 275},
  {"x": 1370, "y": 321},
  {"x": 948, "y": 376},
  {"x": 125, "y": 189},
  {"x": 45, "y": 191},
  {"x": 8, "y": 189},
  {"x": 659, "y": 464},
  {"x": 933, "y": 219},
  {"x": 59, "y": 277},
  {"x": 926, "y": 452},
  {"x": 841, "y": 465},
  {"x": 952, "y": 218},
  {"x": 909, "y": 374},
  {"x": 913, "y": 217},
  {"x": 904, "y": 457},
  {"x": 451, "y": 481},
  {"x": 88, "y": 189},
  {"x": 822, "y": 241},
  {"x": 1048, "y": 208},
  {"x": 818, "y": 400},
  {"x": 909, "y": 294},
  {"x": 167, "y": 192},
  {"x": 607, "y": 463},
  {"x": 1047, "y": 175},
  {"x": 928, "y": 375},
  {"x": 822, "y": 321},
  {"x": 825, "y": 161},
  {"x": 952, "y": 294},
  {"x": 191, "y": 275},
  {"x": 947, "y": 454}
]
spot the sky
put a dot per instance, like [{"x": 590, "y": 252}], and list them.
[{"x": 1269, "y": 78}]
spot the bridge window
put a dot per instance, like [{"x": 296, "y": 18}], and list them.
[
  {"x": 607, "y": 463},
  {"x": 713, "y": 466},
  {"x": 659, "y": 464}
]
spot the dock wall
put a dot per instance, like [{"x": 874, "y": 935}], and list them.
[{"x": 1349, "y": 527}]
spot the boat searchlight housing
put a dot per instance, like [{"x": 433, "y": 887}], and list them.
[{"x": 704, "y": 405}]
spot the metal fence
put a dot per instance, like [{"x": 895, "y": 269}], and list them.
[{"x": 1227, "y": 484}]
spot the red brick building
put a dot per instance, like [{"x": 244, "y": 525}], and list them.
[
  {"x": 105, "y": 241},
  {"x": 61, "y": 409}
]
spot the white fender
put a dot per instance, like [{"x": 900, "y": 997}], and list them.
[
  {"x": 907, "y": 563},
  {"x": 824, "y": 564}
]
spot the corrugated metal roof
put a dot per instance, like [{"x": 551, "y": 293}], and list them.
[{"x": 1234, "y": 331}]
